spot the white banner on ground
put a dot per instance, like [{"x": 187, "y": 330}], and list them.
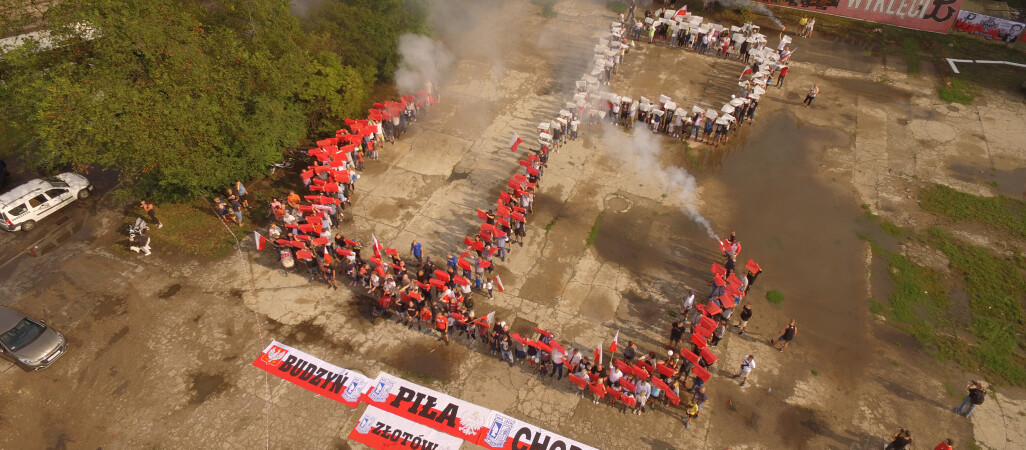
[
  {"x": 382, "y": 430},
  {"x": 311, "y": 373},
  {"x": 504, "y": 432},
  {"x": 427, "y": 407}
]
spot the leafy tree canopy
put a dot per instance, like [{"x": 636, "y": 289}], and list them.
[{"x": 181, "y": 97}]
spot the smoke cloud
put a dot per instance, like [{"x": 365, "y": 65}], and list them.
[
  {"x": 423, "y": 60},
  {"x": 640, "y": 151},
  {"x": 755, "y": 7}
]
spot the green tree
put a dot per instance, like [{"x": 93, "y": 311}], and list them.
[
  {"x": 178, "y": 97},
  {"x": 364, "y": 32},
  {"x": 332, "y": 92}
]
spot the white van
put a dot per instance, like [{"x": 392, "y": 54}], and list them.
[{"x": 24, "y": 205}]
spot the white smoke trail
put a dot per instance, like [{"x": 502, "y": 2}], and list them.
[
  {"x": 753, "y": 6},
  {"x": 641, "y": 150},
  {"x": 423, "y": 60}
]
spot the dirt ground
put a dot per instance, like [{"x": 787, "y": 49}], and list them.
[{"x": 160, "y": 348}]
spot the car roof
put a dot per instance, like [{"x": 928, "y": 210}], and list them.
[
  {"x": 9, "y": 318},
  {"x": 23, "y": 190}
]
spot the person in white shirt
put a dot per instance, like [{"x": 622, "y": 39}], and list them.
[
  {"x": 557, "y": 364},
  {"x": 746, "y": 368},
  {"x": 643, "y": 391},
  {"x": 689, "y": 302}
]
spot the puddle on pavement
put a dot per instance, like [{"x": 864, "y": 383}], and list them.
[
  {"x": 435, "y": 361},
  {"x": 205, "y": 385},
  {"x": 803, "y": 232},
  {"x": 66, "y": 229},
  {"x": 109, "y": 306},
  {"x": 170, "y": 291},
  {"x": 1010, "y": 183}
]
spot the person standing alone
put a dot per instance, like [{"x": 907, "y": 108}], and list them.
[
  {"x": 811, "y": 95},
  {"x": 148, "y": 207},
  {"x": 977, "y": 394},
  {"x": 786, "y": 335}
]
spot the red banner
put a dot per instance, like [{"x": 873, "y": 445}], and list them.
[
  {"x": 927, "y": 15},
  {"x": 381, "y": 430},
  {"x": 312, "y": 374},
  {"x": 427, "y": 407}
]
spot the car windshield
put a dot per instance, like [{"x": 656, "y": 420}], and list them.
[
  {"x": 56, "y": 182},
  {"x": 24, "y": 333}
]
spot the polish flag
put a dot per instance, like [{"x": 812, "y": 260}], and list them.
[
  {"x": 598, "y": 354},
  {"x": 612, "y": 347},
  {"x": 376, "y": 246},
  {"x": 514, "y": 142},
  {"x": 747, "y": 71},
  {"x": 490, "y": 318},
  {"x": 498, "y": 284},
  {"x": 261, "y": 241}
]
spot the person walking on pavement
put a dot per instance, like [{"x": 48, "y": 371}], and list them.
[
  {"x": 148, "y": 207},
  {"x": 746, "y": 315},
  {"x": 418, "y": 252},
  {"x": 746, "y": 368},
  {"x": 900, "y": 441},
  {"x": 786, "y": 336},
  {"x": 811, "y": 95},
  {"x": 977, "y": 393}
]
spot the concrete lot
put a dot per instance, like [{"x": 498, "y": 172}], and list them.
[{"x": 160, "y": 351}]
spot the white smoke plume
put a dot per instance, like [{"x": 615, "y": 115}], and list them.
[
  {"x": 753, "y": 6},
  {"x": 640, "y": 151},
  {"x": 423, "y": 60}
]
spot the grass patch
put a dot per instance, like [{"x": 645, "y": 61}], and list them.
[
  {"x": 547, "y": 10},
  {"x": 551, "y": 224},
  {"x": 996, "y": 288},
  {"x": 775, "y": 297},
  {"x": 1001, "y": 212},
  {"x": 191, "y": 229},
  {"x": 876, "y": 307},
  {"x": 593, "y": 235},
  {"x": 617, "y": 7},
  {"x": 956, "y": 91},
  {"x": 815, "y": 372},
  {"x": 910, "y": 50},
  {"x": 920, "y": 294},
  {"x": 672, "y": 314}
]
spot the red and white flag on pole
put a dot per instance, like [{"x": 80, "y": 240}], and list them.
[
  {"x": 598, "y": 354},
  {"x": 490, "y": 318},
  {"x": 748, "y": 70},
  {"x": 261, "y": 241},
  {"x": 498, "y": 284},
  {"x": 612, "y": 347},
  {"x": 514, "y": 142},
  {"x": 376, "y": 246}
]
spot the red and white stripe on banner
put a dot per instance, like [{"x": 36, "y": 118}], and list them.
[
  {"x": 508, "y": 433},
  {"x": 312, "y": 374},
  {"x": 383, "y": 430},
  {"x": 427, "y": 407}
]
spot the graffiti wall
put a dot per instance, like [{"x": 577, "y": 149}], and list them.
[
  {"x": 928, "y": 15},
  {"x": 989, "y": 26}
]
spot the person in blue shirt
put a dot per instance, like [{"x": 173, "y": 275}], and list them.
[{"x": 418, "y": 252}]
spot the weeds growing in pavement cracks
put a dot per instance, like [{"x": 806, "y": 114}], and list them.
[
  {"x": 1002, "y": 212},
  {"x": 593, "y": 235},
  {"x": 775, "y": 297}
]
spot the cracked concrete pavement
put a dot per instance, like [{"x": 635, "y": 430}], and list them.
[{"x": 160, "y": 351}]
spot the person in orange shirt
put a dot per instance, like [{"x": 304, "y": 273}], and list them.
[{"x": 293, "y": 199}]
